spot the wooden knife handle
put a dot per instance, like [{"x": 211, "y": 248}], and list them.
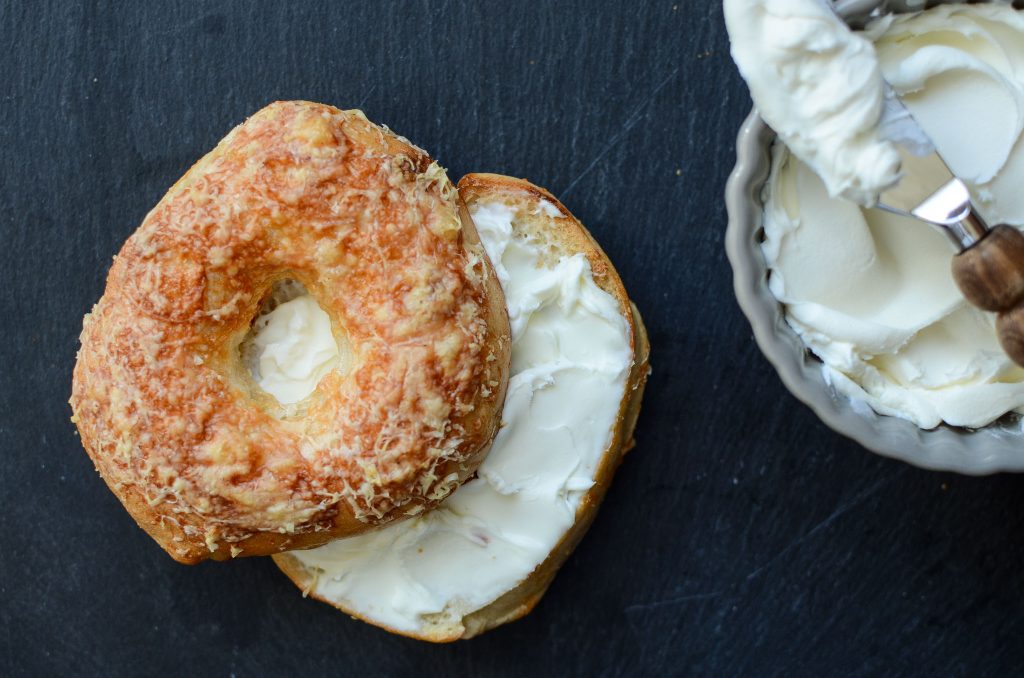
[{"x": 990, "y": 274}]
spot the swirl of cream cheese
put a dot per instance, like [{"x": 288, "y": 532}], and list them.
[
  {"x": 818, "y": 85},
  {"x": 871, "y": 293}
]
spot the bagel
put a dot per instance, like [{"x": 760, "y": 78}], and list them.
[
  {"x": 579, "y": 364},
  {"x": 206, "y": 461}
]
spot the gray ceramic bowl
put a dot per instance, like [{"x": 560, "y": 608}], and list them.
[{"x": 999, "y": 447}]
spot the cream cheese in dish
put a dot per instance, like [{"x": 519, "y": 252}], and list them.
[
  {"x": 818, "y": 85},
  {"x": 571, "y": 358},
  {"x": 871, "y": 293}
]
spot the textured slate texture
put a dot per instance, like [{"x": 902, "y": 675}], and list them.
[{"x": 742, "y": 537}]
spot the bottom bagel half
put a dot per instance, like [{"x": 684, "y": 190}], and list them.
[{"x": 486, "y": 555}]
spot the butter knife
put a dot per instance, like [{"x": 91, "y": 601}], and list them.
[{"x": 989, "y": 268}]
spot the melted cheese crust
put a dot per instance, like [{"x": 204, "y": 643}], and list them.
[{"x": 206, "y": 462}]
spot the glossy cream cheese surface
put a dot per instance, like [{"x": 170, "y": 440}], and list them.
[
  {"x": 819, "y": 87},
  {"x": 871, "y": 293},
  {"x": 571, "y": 358}
]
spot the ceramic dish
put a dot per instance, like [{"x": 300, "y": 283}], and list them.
[{"x": 998, "y": 447}]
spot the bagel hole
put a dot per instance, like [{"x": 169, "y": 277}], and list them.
[{"x": 290, "y": 346}]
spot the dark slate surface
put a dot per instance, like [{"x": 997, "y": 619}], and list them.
[{"x": 742, "y": 537}]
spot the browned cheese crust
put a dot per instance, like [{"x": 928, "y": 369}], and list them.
[
  {"x": 209, "y": 464},
  {"x": 565, "y": 236}
]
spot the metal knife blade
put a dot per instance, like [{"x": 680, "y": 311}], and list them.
[{"x": 928, "y": 190}]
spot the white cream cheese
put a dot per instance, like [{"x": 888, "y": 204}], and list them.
[
  {"x": 294, "y": 349},
  {"x": 571, "y": 358},
  {"x": 819, "y": 87},
  {"x": 871, "y": 293}
]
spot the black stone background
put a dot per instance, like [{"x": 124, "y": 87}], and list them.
[{"x": 742, "y": 537}]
